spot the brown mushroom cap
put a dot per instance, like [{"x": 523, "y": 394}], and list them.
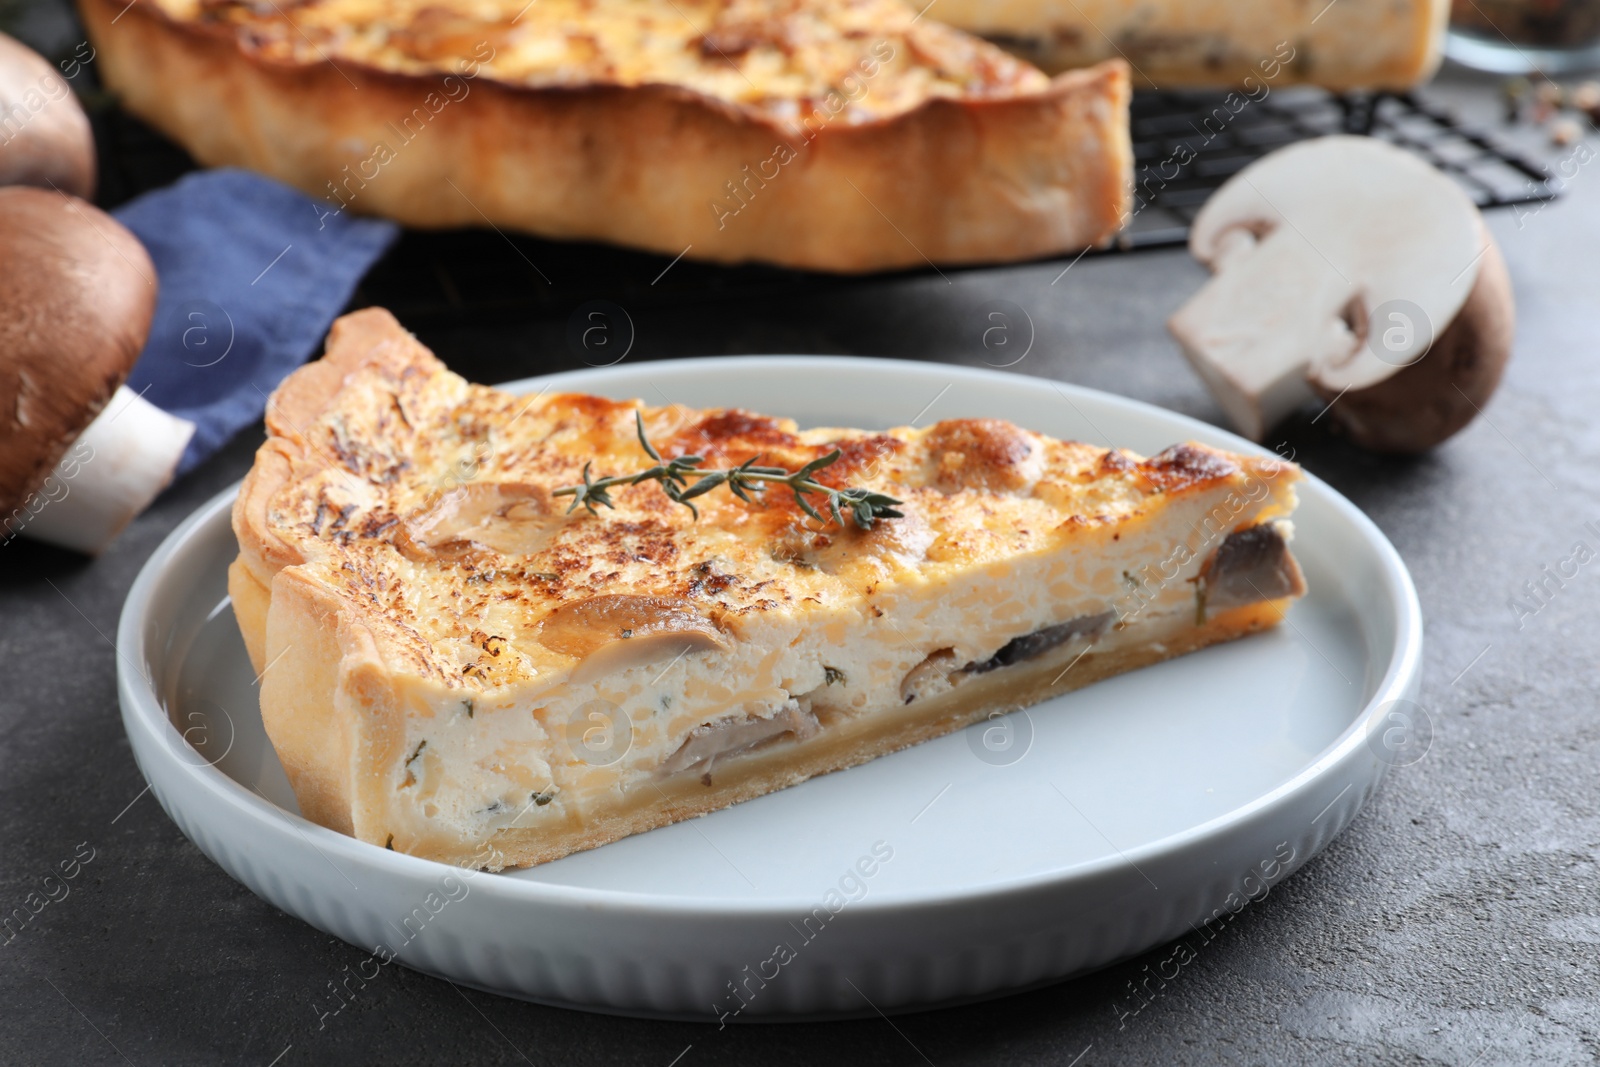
[
  {"x": 79, "y": 294},
  {"x": 45, "y": 139},
  {"x": 1429, "y": 400}
]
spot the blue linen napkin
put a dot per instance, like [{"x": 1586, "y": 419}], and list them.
[{"x": 252, "y": 274}]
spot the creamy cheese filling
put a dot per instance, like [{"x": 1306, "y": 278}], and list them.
[{"x": 581, "y": 748}]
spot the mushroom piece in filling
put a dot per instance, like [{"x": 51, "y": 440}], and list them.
[{"x": 1250, "y": 566}]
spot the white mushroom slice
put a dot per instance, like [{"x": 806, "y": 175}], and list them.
[
  {"x": 644, "y": 648},
  {"x": 1347, "y": 269},
  {"x": 510, "y": 518},
  {"x": 1031, "y": 646},
  {"x": 930, "y": 677},
  {"x": 1251, "y": 566},
  {"x": 614, "y": 632},
  {"x": 730, "y": 737}
]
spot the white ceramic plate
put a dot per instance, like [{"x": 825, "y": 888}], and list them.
[{"x": 1089, "y": 829}]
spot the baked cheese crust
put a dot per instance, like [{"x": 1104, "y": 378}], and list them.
[
  {"x": 830, "y": 135},
  {"x": 456, "y": 666}
]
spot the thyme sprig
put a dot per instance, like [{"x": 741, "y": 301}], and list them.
[{"x": 747, "y": 481}]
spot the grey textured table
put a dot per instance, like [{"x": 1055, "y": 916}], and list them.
[{"x": 1457, "y": 921}]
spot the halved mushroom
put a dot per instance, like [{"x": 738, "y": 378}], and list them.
[
  {"x": 1347, "y": 269},
  {"x": 616, "y": 631}
]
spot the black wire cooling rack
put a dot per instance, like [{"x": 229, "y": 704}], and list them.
[
  {"x": 1187, "y": 144},
  {"x": 1194, "y": 141}
]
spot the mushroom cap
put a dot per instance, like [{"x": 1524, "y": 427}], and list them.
[
  {"x": 80, "y": 291},
  {"x": 1428, "y": 400},
  {"x": 47, "y": 140}
]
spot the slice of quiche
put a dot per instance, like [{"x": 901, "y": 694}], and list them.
[
  {"x": 841, "y": 135},
  {"x": 461, "y": 663}
]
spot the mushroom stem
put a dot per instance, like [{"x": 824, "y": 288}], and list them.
[{"x": 111, "y": 473}]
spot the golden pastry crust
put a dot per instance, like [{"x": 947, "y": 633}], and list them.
[
  {"x": 843, "y": 137},
  {"x": 432, "y": 624}
]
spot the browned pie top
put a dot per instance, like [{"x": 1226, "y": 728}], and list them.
[
  {"x": 856, "y": 60},
  {"x": 428, "y": 502}
]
